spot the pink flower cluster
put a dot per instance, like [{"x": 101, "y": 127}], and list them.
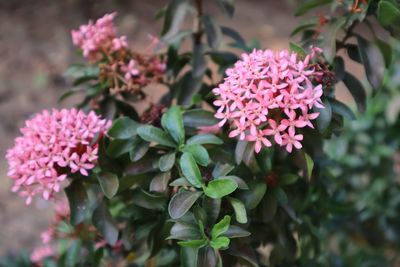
[
  {"x": 98, "y": 37},
  {"x": 54, "y": 144},
  {"x": 270, "y": 94}
]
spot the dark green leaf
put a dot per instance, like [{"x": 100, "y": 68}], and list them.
[
  {"x": 388, "y": 13},
  {"x": 310, "y": 4},
  {"x": 72, "y": 254},
  {"x": 241, "y": 184},
  {"x": 288, "y": 179},
  {"x": 180, "y": 182},
  {"x": 341, "y": 109},
  {"x": 189, "y": 256},
  {"x": 373, "y": 62},
  {"x": 199, "y": 63},
  {"x": 325, "y": 116},
  {"x": 146, "y": 200},
  {"x": 330, "y": 33},
  {"x": 240, "y": 211},
  {"x": 181, "y": 202},
  {"x": 174, "y": 16},
  {"x": 386, "y": 51},
  {"x": 103, "y": 221},
  {"x": 118, "y": 147},
  {"x": 213, "y": 32},
  {"x": 109, "y": 183},
  {"x": 193, "y": 243},
  {"x": 160, "y": 182},
  {"x": 152, "y": 134},
  {"x": 357, "y": 91},
  {"x": 166, "y": 161},
  {"x": 252, "y": 197},
  {"x": 172, "y": 122},
  {"x": 123, "y": 128},
  {"x": 236, "y": 232},
  {"x": 190, "y": 170},
  {"x": 280, "y": 195},
  {"x": 78, "y": 201},
  {"x": 222, "y": 169},
  {"x": 234, "y": 35},
  {"x": 184, "y": 231},
  {"x": 202, "y": 139},
  {"x": 309, "y": 165},
  {"x": 199, "y": 117},
  {"x": 220, "y": 187},
  {"x": 243, "y": 152},
  {"x": 139, "y": 150},
  {"x": 199, "y": 153}
]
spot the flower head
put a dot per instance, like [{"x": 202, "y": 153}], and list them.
[
  {"x": 268, "y": 95},
  {"x": 53, "y": 144}
]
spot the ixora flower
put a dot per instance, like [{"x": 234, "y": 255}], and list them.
[
  {"x": 98, "y": 37},
  {"x": 54, "y": 144},
  {"x": 267, "y": 96}
]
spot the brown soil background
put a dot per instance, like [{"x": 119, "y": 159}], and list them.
[{"x": 35, "y": 49}]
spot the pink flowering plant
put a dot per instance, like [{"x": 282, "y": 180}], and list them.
[{"x": 224, "y": 170}]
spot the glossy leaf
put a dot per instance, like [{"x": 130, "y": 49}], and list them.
[
  {"x": 240, "y": 210},
  {"x": 199, "y": 153},
  {"x": 235, "y": 231},
  {"x": 201, "y": 139},
  {"x": 219, "y": 188},
  {"x": 221, "y": 242},
  {"x": 388, "y": 13},
  {"x": 341, "y": 109},
  {"x": 288, "y": 179},
  {"x": 240, "y": 182},
  {"x": 329, "y": 47},
  {"x": 325, "y": 116},
  {"x": 199, "y": 117},
  {"x": 221, "y": 227},
  {"x": 123, "y": 128},
  {"x": 190, "y": 170},
  {"x": 213, "y": 32},
  {"x": 252, "y": 197},
  {"x": 78, "y": 201},
  {"x": 139, "y": 150},
  {"x": 109, "y": 183},
  {"x": 172, "y": 122},
  {"x": 166, "y": 161},
  {"x": 297, "y": 49},
  {"x": 181, "y": 202},
  {"x": 193, "y": 243},
  {"x": 160, "y": 182},
  {"x": 357, "y": 91},
  {"x": 146, "y": 200},
  {"x": 153, "y": 134},
  {"x": 103, "y": 221},
  {"x": 222, "y": 170}
]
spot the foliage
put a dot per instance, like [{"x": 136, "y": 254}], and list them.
[{"x": 171, "y": 189}]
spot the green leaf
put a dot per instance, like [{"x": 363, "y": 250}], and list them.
[
  {"x": 288, "y": 179},
  {"x": 139, "y": 150},
  {"x": 190, "y": 170},
  {"x": 243, "y": 152},
  {"x": 160, "y": 182},
  {"x": 199, "y": 117},
  {"x": 123, "y": 128},
  {"x": 180, "y": 182},
  {"x": 227, "y": 6},
  {"x": 235, "y": 231},
  {"x": 325, "y": 116},
  {"x": 172, "y": 122},
  {"x": 310, "y": 4},
  {"x": 219, "y": 188},
  {"x": 240, "y": 210},
  {"x": 199, "y": 153},
  {"x": 388, "y": 13},
  {"x": 252, "y": 197},
  {"x": 189, "y": 256},
  {"x": 181, "y": 202},
  {"x": 152, "y": 134},
  {"x": 222, "y": 169},
  {"x": 193, "y": 243},
  {"x": 341, "y": 109},
  {"x": 199, "y": 63},
  {"x": 77, "y": 71},
  {"x": 109, "y": 183},
  {"x": 202, "y": 139},
  {"x": 223, "y": 59},
  {"x": 213, "y": 32},
  {"x": 72, "y": 253},
  {"x": 221, "y": 242},
  {"x": 146, "y": 200},
  {"x": 234, "y": 35},
  {"x": 386, "y": 50},
  {"x": 297, "y": 49},
  {"x": 166, "y": 162},
  {"x": 357, "y": 91},
  {"x": 309, "y": 164},
  {"x": 220, "y": 227},
  {"x": 174, "y": 16},
  {"x": 118, "y": 147},
  {"x": 240, "y": 182},
  {"x": 78, "y": 201},
  {"x": 103, "y": 221},
  {"x": 184, "y": 231},
  {"x": 373, "y": 62},
  {"x": 280, "y": 195},
  {"x": 329, "y": 47}
]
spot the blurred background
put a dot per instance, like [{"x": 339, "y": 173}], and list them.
[{"x": 36, "y": 48}]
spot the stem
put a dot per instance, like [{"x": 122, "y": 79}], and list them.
[{"x": 199, "y": 29}]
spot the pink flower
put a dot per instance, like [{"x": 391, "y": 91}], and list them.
[
  {"x": 119, "y": 43},
  {"x": 269, "y": 94},
  {"x": 130, "y": 70},
  {"x": 53, "y": 145},
  {"x": 41, "y": 253}
]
